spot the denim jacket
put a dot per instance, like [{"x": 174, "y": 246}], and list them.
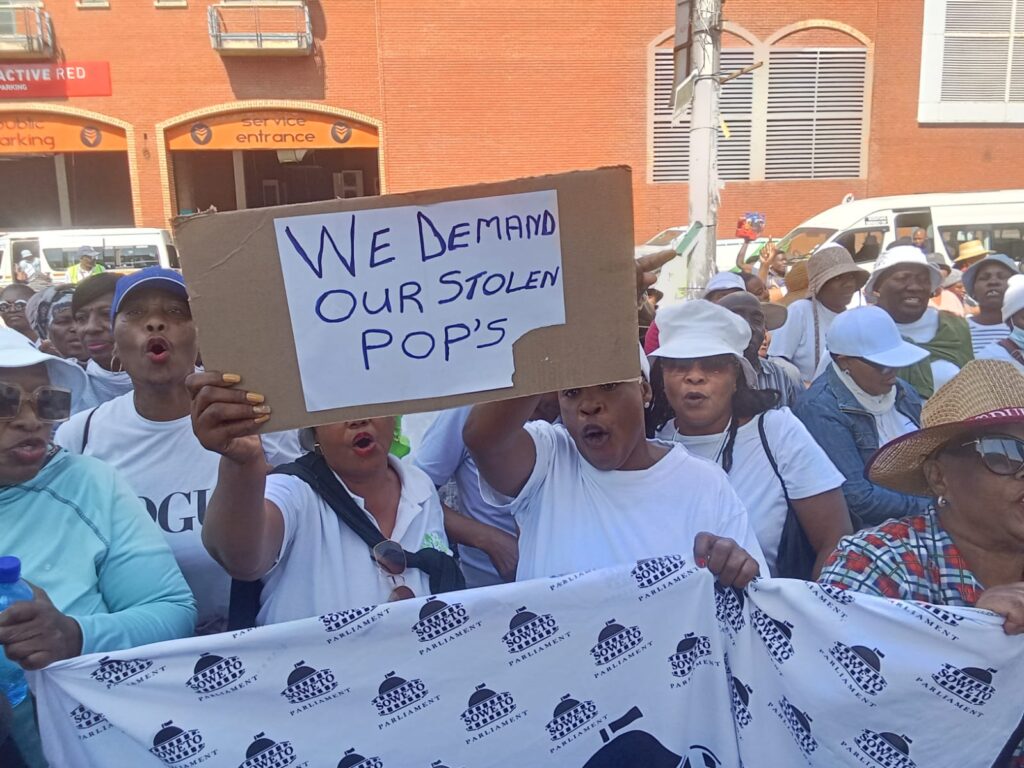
[{"x": 847, "y": 433}]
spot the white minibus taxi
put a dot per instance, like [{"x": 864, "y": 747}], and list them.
[
  {"x": 866, "y": 227},
  {"x": 121, "y": 249}
]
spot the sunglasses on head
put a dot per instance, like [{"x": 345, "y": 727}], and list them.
[
  {"x": 1001, "y": 454},
  {"x": 51, "y": 404},
  {"x": 13, "y": 306},
  {"x": 390, "y": 558}
]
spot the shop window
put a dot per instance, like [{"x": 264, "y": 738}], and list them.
[
  {"x": 672, "y": 142},
  {"x": 815, "y": 115},
  {"x": 972, "y": 62}
]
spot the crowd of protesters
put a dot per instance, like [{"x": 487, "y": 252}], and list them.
[{"x": 813, "y": 420}]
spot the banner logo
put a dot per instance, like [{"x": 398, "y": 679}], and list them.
[
  {"x": 741, "y": 702},
  {"x": 970, "y": 684},
  {"x": 85, "y": 719},
  {"x": 797, "y": 722},
  {"x": 615, "y": 640},
  {"x": 862, "y": 665},
  {"x": 438, "y": 618},
  {"x": 212, "y": 673},
  {"x": 395, "y": 694},
  {"x": 729, "y": 608},
  {"x": 354, "y": 760},
  {"x": 887, "y": 750},
  {"x": 334, "y": 622},
  {"x": 267, "y": 753},
  {"x": 341, "y": 132},
  {"x": 174, "y": 745},
  {"x": 776, "y": 635},
  {"x": 527, "y": 629},
  {"x": 201, "y": 133},
  {"x": 649, "y": 572},
  {"x": 486, "y": 707},
  {"x": 570, "y": 715},
  {"x": 690, "y": 650},
  {"x": 91, "y": 136},
  {"x": 114, "y": 672},
  {"x": 305, "y": 683}
]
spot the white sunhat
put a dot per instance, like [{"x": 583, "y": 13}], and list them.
[
  {"x": 16, "y": 351},
  {"x": 902, "y": 254},
  {"x": 724, "y": 281},
  {"x": 1013, "y": 299},
  {"x": 870, "y": 333},
  {"x": 699, "y": 328}
]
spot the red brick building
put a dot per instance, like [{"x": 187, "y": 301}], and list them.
[{"x": 239, "y": 103}]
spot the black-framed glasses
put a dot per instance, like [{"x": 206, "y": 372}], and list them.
[
  {"x": 51, "y": 404},
  {"x": 390, "y": 558},
  {"x": 13, "y": 306},
  {"x": 1001, "y": 454}
]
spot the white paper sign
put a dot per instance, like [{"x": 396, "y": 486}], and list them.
[{"x": 419, "y": 301}]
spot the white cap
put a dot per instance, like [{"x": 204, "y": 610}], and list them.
[
  {"x": 645, "y": 364},
  {"x": 902, "y": 254},
  {"x": 699, "y": 328},
  {"x": 724, "y": 281},
  {"x": 870, "y": 333},
  {"x": 16, "y": 351},
  {"x": 1013, "y": 299},
  {"x": 26, "y": 254}
]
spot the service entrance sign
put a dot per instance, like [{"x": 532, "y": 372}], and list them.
[{"x": 419, "y": 301}]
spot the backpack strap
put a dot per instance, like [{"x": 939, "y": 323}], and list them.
[
  {"x": 771, "y": 458},
  {"x": 85, "y": 431}
]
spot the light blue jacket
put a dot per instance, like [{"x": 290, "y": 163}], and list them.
[{"x": 85, "y": 538}]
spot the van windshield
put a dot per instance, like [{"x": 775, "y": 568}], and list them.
[{"x": 803, "y": 240}]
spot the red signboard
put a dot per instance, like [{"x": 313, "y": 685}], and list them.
[{"x": 28, "y": 80}]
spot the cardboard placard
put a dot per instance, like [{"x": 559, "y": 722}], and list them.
[{"x": 377, "y": 306}]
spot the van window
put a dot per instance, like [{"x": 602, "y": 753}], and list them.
[
  {"x": 111, "y": 257},
  {"x": 172, "y": 257},
  {"x": 801, "y": 242},
  {"x": 908, "y": 221},
  {"x": 1003, "y": 238},
  {"x": 864, "y": 245}
]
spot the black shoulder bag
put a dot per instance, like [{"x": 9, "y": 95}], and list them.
[
  {"x": 442, "y": 569},
  {"x": 796, "y": 556}
]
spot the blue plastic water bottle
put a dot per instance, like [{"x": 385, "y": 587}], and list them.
[{"x": 12, "y": 589}]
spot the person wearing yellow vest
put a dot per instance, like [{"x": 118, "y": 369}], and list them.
[{"x": 86, "y": 265}]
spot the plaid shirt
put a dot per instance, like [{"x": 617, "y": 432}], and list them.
[{"x": 909, "y": 559}]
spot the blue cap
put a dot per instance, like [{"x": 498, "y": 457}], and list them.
[
  {"x": 150, "y": 277},
  {"x": 10, "y": 570},
  {"x": 972, "y": 274}
]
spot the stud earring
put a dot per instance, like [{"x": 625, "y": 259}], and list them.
[{"x": 941, "y": 501}]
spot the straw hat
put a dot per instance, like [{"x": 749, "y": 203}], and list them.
[
  {"x": 972, "y": 249},
  {"x": 986, "y": 393},
  {"x": 796, "y": 284},
  {"x": 832, "y": 261}
]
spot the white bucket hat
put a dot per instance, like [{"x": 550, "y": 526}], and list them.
[
  {"x": 1013, "y": 299},
  {"x": 699, "y": 328},
  {"x": 902, "y": 254},
  {"x": 16, "y": 351},
  {"x": 869, "y": 333}
]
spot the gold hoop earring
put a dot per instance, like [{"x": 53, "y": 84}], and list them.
[{"x": 120, "y": 365}]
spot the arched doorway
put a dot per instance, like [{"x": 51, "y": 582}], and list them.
[
  {"x": 259, "y": 157},
  {"x": 63, "y": 169}
]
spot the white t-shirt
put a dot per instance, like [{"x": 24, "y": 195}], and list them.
[
  {"x": 574, "y": 517},
  {"x": 983, "y": 335},
  {"x": 794, "y": 341},
  {"x": 995, "y": 351},
  {"x": 324, "y": 566},
  {"x": 922, "y": 331},
  {"x": 803, "y": 464},
  {"x": 174, "y": 476}
]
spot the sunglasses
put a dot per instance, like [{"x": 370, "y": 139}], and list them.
[
  {"x": 13, "y": 306},
  {"x": 882, "y": 369},
  {"x": 390, "y": 558},
  {"x": 51, "y": 404},
  {"x": 1001, "y": 454}
]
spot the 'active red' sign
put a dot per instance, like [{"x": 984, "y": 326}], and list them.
[{"x": 20, "y": 80}]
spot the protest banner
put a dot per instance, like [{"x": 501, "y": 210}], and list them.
[
  {"x": 649, "y": 665},
  {"x": 420, "y": 301}
]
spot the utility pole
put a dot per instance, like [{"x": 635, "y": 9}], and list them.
[{"x": 706, "y": 29}]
